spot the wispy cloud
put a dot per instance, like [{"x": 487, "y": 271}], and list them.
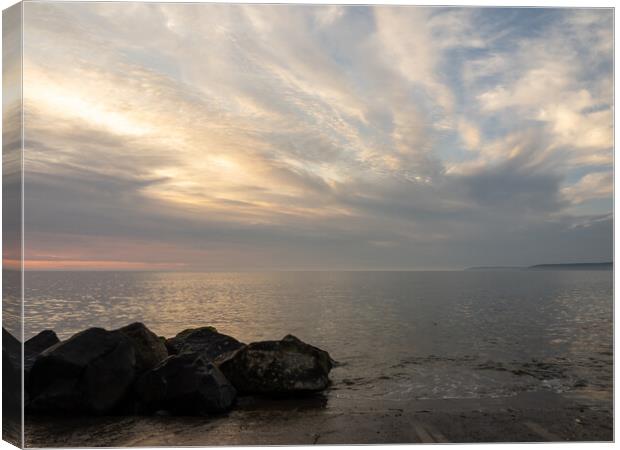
[{"x": 277, "y": 136}]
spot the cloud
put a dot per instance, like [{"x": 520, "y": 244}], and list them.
[
  {"x": 469, "y": 134},
  {"x": 559, "y": 79},
  {"x": 595, "y": 185},
  {"x": 267, "y": 136}
]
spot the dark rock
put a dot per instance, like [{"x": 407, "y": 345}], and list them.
[
  {"x": 278, "y": 367},
  {"x": 34, "y": 346},
  {"x": 88, "y": 373},
  {"x": 11, "y": 387},
  {"x": 42, "y": 341},
  {"x": 206, "y": 341},
  {"x": 185, "y": 384},
  {"x": 11, "y": 376},
  {"x": 150, "y": 350},
  {"x": 12, "y": 347}
]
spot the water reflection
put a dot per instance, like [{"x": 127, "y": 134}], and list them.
[{"x": 398, "y": 334}]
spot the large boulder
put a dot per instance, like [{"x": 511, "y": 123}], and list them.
[
  {"x": 88, "y": 373},
  {"x": 34, "y": 346},
  {"x": 278, "y": 367},
  {"x": 11, "y": 376},
  {"x": 185, "y": 384},
  {"x": 12, "y": 347},
  {"x": 42, "y": 341},
  {"x": 206, "y": 341},
  {"x": 11, "y": 387},
  {"x": 149, "y": 348}
]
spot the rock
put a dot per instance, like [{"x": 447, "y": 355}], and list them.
[
  {"x": 88, "y": 373},
  {"x": 34, "y": 346},
  {"x": 12, "y": 347},
  {"x": 42, "y": 341},
  {"x": 11, "y": 387},
  {"x": 206, "y": 341},
  {"x": 150, "y": 350},
  {"x": 11, "y": 376},
  {"x": 278, "y": 367},
  {"x": 185, "y": 384}
]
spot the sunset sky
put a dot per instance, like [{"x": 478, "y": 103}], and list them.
[{"x": 251, "y": 137}]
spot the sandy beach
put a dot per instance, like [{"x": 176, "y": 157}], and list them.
[{"x": 582, "y": 415}]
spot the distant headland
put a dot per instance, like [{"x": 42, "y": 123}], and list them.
[{"x": 569, "y": 266}]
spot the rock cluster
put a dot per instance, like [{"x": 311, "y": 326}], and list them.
[{"x": 133, "y": 371}]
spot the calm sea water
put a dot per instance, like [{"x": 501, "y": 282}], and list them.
[{"x": 396, "y": 335}]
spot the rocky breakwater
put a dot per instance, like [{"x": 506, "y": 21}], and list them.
[{"x": 131, "y": 370}]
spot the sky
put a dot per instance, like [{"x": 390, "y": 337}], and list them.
[{"x": 292, "y": 137}]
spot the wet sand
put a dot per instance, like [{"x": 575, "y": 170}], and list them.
[{"x": 544, "y": 416}]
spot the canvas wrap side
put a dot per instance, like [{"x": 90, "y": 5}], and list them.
[{"x": 12, "y": 235}]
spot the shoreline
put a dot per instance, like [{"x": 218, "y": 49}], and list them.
[{"x": 541, "y": 416}]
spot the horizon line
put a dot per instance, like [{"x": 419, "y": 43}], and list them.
[{"x": 272, "y": 270}]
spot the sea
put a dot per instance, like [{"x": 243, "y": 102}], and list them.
[{"x": 397, "y": 336}]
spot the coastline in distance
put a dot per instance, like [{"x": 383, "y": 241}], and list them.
[{"x": 570, "y": 266}]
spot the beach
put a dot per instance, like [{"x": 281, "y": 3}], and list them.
[{"x": 528, "y": 417}]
